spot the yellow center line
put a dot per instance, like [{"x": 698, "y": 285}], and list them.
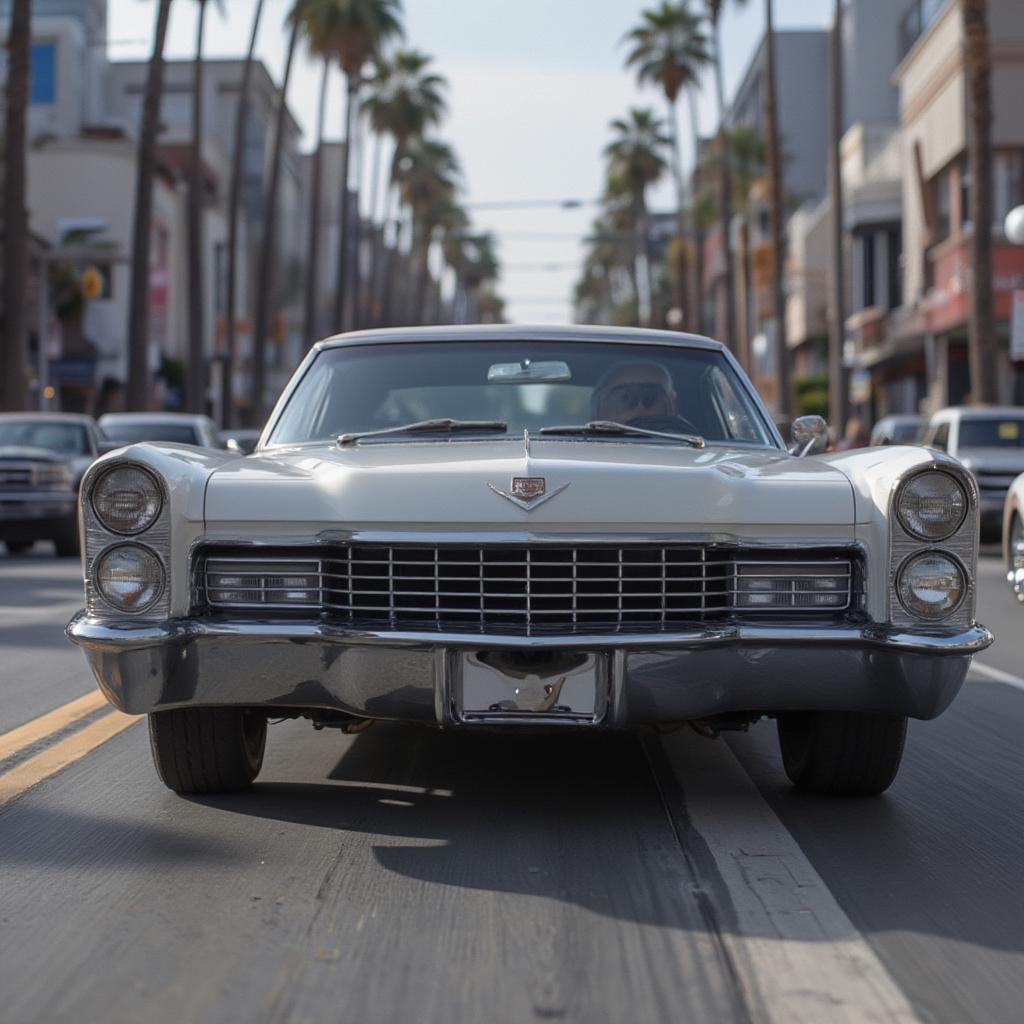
[
  {"x": 53, "y": 759},
  {"x": 39, "y": 728}
]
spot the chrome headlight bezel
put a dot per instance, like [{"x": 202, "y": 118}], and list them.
[
  {"x": 158, "y": 494},
  {"x": 96, "y": 571},
  {"x": 917, "y": 478},
  {"x": 917, "y": 556}
]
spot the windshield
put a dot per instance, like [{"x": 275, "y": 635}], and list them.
[
  {"x": 992, "y": 433},
  {"x": 528, "y": 385},
  {"x": 67, "y": 438},
  {"x": 129, "y": 433}
]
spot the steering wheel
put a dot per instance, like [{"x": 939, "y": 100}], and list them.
[{"x": 665, "y": 422}]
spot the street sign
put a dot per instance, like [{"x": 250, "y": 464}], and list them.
[{"x": 1017, "y": 326}]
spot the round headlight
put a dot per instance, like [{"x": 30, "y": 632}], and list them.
[
  {"x": 127, "y": 499},
  {"x": 129, "y": 577},
  {"x": 931, "y": 585},
  {"x": 932, "y": 505}
]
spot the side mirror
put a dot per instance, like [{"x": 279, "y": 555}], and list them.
[{"x": 810, "y": 435}]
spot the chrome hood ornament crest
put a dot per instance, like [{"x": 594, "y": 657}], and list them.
[{"x": 528, "y": 492}]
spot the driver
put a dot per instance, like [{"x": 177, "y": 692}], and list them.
[{"x": 629, "y": 391}]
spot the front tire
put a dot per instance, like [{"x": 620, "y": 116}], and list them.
[
  {"x": 207, "y": 750},
  {"x": 841, "y": 753}
]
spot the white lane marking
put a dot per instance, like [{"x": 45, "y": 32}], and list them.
[
  {"x": 798, "y": 957},
  {"x": 997, "y": 675}
]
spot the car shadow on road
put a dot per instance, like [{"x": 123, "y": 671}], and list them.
[{"x": 573, "y": 818}]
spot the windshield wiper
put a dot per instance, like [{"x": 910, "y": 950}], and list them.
[
  {"x": 613, "y": 428},
  {"x": 447, "y": 426}
]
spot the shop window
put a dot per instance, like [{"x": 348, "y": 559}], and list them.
[
  {"x": 868, "y": 270},
  {"x": 1007, "y": 183}
]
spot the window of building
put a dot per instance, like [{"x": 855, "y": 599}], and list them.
[
  {"x": 43, "y": 74},
  {"x": 867, "y": 248},
  {"x": 942, "y": 205},
  {"x": 1007, "y": 183}
]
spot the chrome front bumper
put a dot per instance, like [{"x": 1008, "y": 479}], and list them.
[{"x": 411, "y": 676}]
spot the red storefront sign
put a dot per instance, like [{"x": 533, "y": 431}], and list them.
[{"x": 947, "y": 305}]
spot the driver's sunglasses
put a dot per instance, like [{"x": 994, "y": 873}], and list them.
[{"x": 632, "y": 396}]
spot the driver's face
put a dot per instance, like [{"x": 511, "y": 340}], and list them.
[{"x": 634, "y": 392}]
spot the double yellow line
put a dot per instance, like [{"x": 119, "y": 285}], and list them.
[{"x": 58, "y": 755}]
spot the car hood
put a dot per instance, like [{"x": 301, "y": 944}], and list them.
[
  {"x": 588, "y": 483},
  {"x": 993, "y": 460},
  {"x": 24, "y": 453}
]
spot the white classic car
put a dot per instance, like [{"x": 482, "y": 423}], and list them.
[{"x": 529, "y": 527}]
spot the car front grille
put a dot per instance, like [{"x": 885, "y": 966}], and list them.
[
  {"x": 15, "y": 476},
  {"x": 521, "y": 588}
]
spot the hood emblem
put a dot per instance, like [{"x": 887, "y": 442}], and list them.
[{"x": 528, "y": 492}]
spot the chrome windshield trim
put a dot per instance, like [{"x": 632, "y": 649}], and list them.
[{"x": 94, "y": 634}]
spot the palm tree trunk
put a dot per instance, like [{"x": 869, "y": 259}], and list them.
[
  {"x": 234, "y": 198},
  {"x": 16, "y": 232},
  {"x": 366, "y": 307},
  {"x": 138, "y": 391},
  {"x": 784, "y": 402},
  {"x": 265, "y": 274},
  {"x": 679, "y": 271},
  {"x": 310, "y": 320},
  {"x": 725, "y": 194},
  {"x": 837, "y": 385},
  {"x": 981, "y": 327},
  {"x": 381, "y": 277},
  {"x": 195, "y": 387},
  {"x": 344, "y": 212},
  {"x": 697, "y": 232}
]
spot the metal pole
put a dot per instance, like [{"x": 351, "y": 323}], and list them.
[
  {"x": 838, "y": 396},
  {"x": 42, "y": 313}
]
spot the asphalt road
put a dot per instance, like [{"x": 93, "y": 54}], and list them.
[{"x": 405, "y": 875}]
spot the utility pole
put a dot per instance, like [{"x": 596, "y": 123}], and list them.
[
  {"x": 784, "y": 403},
  {"x": 838, "y": 391}
]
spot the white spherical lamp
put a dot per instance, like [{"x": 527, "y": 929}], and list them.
[{"x": 1013, "y": 226}]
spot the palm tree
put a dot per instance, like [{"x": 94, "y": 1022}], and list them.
[
  {"x": 358, "y": 31},
  {"x": 669, "y": 49},
  {"x": 234, "y": 198},
  {"x": 428, "y": 177},
  {"x": 635, "y": 156},
  {"x": 725, "y": 171},
  {"x": 406, "y": 98},
  {"x": 15, "y": 225},
  {"x": 772, "y": 144},
  {"x": 195, "y": 389},
  {"x": 265, "y": 272},
  {"x": 137, "y": 395},
  {"x": 318, "y": 26},
  {"x": 981, "y": 328}
]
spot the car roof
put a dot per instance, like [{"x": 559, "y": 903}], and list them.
[
  {"x": 982, "y": 412},
  {"x": 154, "y": 417},
  {"x": 522, "y": 332},
  {"x": 54, "y": 417}
]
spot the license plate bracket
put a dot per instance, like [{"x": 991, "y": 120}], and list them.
[{"x": 529, "y": 687}]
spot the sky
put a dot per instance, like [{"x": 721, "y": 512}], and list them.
[{"x": 532, "y": 87}]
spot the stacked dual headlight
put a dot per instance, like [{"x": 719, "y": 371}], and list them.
[
  {"x": 127, "y": 501},
  {"x": 931, "y": 507}
]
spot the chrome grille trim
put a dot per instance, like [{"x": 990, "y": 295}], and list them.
[{"x": 521, "y": 588}]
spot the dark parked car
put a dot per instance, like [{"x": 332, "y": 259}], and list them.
[
  {"x": 176, "y": 427},
  {"x": 42, "y": 459},
  {"x": 903, "y": 429}
]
